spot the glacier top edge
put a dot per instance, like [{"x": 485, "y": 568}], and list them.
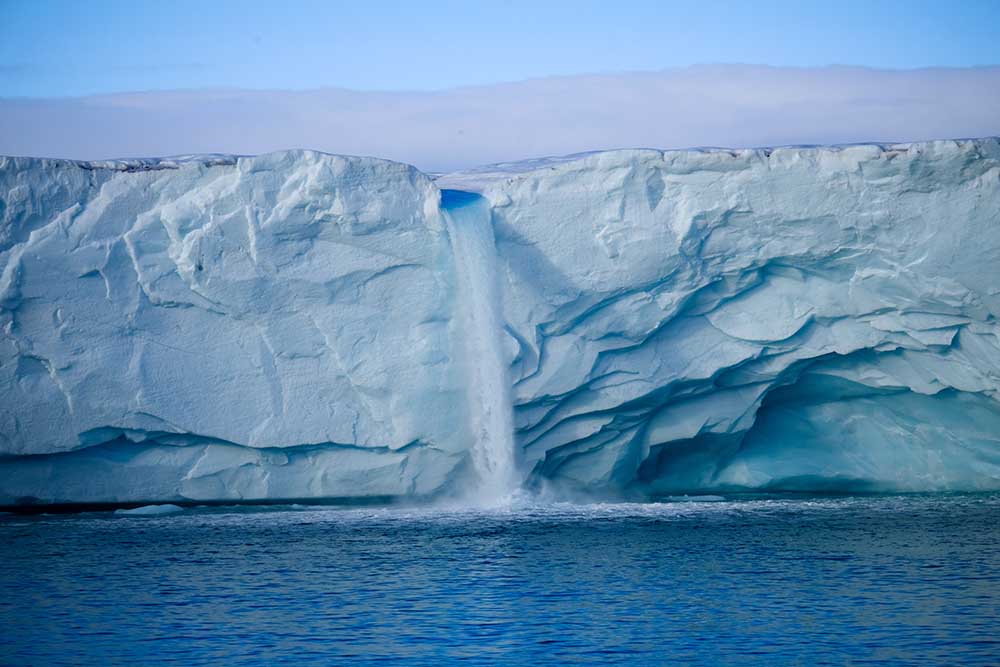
[
  {"x": 174, "y": 162},
  {"x": 479, "y": 178}
]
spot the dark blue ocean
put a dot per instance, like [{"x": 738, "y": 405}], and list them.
[{"x": 907, "y": 580}]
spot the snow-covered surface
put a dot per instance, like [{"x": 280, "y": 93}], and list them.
[{"x": 293, "y": 325}]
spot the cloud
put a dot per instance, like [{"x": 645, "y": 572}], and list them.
[{"x": 719, "y": 105}]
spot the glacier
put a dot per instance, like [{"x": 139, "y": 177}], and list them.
[{"x": 632, "y": 323}]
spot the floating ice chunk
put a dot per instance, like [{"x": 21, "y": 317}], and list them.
[
  {"x": 707, "y": 498},
  {"x": 151, "y": 510}
]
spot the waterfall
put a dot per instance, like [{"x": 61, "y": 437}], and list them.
[{"x": 487, "y": 367}]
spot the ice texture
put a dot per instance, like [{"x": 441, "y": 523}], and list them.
[
  {"x": 301, "y": 325},
  {"x": 277, "y": 326}
]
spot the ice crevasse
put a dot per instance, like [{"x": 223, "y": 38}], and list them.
[{"x": 627, "y": 323}]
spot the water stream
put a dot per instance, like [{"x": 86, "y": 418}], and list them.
[{"x": 491, "y": 418}]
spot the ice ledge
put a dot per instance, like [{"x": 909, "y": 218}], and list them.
[
  {"x": 173, "y": 162},
  {"x": 477, "y": 179},
  {"x": 712, "y": 158}
]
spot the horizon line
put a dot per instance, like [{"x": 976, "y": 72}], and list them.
[{"x": 500, "y": 83}]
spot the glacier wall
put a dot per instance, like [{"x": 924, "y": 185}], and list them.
[
  {"x": 301, "y": 325},
  {"x": 277, "y": 326},
  {"x": 771, "y": 319}
]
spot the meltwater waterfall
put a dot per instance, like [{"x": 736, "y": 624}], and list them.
[{"x": 491, "y": 422}]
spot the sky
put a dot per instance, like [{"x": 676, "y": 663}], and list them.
[
  {"x": 69, "y": 48},
  {"x": 446, "y": 85}
]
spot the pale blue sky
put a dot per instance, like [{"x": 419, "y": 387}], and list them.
[{"x": 69, "y": 48}]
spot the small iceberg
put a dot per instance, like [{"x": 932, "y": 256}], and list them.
[{"x": 151, "y": 510}]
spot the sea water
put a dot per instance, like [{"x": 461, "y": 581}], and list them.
[{"x": 776, "y": 581}]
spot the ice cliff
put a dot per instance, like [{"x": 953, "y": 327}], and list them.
[{"x": 637, "y": 322}]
